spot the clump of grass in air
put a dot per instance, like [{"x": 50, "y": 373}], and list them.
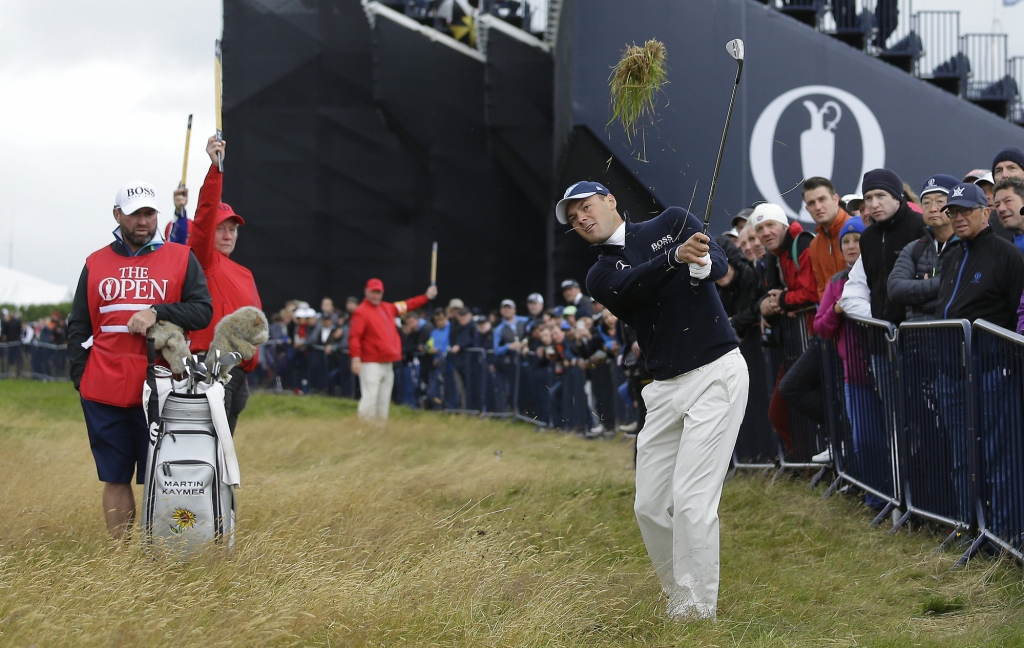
[{"x": 635, "y": 83}]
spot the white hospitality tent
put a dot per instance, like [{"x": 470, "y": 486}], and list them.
[{"x": 22, "y": 289}]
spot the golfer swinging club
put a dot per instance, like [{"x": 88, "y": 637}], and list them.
[{"x": 695, "y": 404}]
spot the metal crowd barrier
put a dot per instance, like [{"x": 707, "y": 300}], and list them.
[
  {"x": 999, "y": 387},
  {"x": 36, "y": 360},
  {"x": 937, "y": 430},
  {"x": 863, "y": 411},
  {"x": 806, "y": 436},
  {"x": 755, "y": 445}
]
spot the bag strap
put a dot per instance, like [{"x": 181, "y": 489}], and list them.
[{"x": 153, "y": 405}]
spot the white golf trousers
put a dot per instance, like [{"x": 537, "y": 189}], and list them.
[
  {"x": 375, "y": 382},
  {"x": 683, "y": 455}
]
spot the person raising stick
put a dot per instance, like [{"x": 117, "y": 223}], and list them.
[
  {"x": 695, "y": 404},
  {"x": 213, "y": 238},
  {"x": 374, "y": 345}
]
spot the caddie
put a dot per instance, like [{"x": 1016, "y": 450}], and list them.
[
  {"x": 695, "y": 404},
  {"x": 125, "y": 288}
]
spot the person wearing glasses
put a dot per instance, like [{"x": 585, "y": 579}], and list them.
[{"x": 982, "y": 278}]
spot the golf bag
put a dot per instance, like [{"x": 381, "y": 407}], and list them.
[{"x": 191, "y": 468}]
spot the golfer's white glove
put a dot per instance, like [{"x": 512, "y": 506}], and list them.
[{"x": 698, "y": 271}]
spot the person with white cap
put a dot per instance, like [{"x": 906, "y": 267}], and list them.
[
  {"x": 575, "y": 297},
  {"x": 987, "y": 181},
  {"x": 125, "y": 288},
  {"x": 791, "y": 285},
  {"x": 535, "y": 308},
  {"x": 644, "y": 275},
  {"x": 213, "y": 238},
  {"x": 789, "y": 274}
]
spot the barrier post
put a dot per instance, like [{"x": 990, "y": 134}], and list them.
[
  {"x": 937, "y": 436},
  {"x": 865, "y": 420},
  {"x": 755, "y": 446},
  {"x": 999, "y": 386},
  {"x": 806, "y": 437}
]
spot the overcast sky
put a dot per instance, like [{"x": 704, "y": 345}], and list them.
[{"x": 95, "y": 94}]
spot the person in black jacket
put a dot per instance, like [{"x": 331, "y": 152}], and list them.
[
  {"x": 895, "y": 226},
  {"x": 658, "y": 277},
  {"x": 982, "y": 278},
  {"x": 574, "y": 297},
  {"x": 738, "y": 287}
]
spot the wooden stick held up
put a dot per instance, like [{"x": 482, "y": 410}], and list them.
[{"x": 433, "y": 265}]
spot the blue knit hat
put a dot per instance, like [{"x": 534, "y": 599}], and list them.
[
  {"x": 854, "y": 225},
  {"x": 1009, "y": 154}
]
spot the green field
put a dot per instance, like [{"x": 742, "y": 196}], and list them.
[{"x": 451, "y": 531}]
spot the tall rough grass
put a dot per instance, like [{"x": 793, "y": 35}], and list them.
[{"x": 426, "y": 535}]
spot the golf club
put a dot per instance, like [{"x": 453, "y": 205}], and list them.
[{"x": 735, "y": 49}]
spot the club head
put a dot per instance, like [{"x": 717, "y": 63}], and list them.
[
  {"x": 735, "y": 49},
  {"x": 161, "y": 371}
]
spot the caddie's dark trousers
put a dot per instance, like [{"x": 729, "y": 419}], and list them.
[
  {"x": 236, "y": 395},
  {"x": 802, "y": 387}
]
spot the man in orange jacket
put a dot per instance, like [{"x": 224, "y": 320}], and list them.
[
  {"x": 822, "y": 203},
  {"x": 374, "y": 345},
  {"x": 212, "y": 239}
]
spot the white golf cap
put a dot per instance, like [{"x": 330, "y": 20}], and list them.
[
  {"x": 988, "y": 177},
  {"x": 576, "y": 192},
  {"x": 768, "y": 212},
  {"x": 135, "y": 195},
  {"x": 848, "y": 198}
]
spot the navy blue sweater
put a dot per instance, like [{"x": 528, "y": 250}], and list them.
[{"x": 679, "y": 327}]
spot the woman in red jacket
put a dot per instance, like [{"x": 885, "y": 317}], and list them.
[{"x": 212, "y": 239}]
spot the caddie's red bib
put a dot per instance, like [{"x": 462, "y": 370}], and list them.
[{"x": 119, "y": 287}]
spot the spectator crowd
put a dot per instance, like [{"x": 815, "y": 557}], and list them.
[{"x": 951, "y": 249}]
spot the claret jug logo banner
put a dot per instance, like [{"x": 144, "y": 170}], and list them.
[{"x": 811, "y": 131}]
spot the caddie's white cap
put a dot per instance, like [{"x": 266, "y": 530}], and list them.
[
  {"x": 135, "y": 195},
  {"x": 768, "y": 212}
]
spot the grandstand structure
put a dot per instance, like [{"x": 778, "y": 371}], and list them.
[{"x": 363, "y": 130}]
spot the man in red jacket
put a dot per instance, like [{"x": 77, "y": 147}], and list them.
[
  {"x": 789, "y": 276},
  {"x": 374, "y": 345},
  {"x": 212, "y": 239}
]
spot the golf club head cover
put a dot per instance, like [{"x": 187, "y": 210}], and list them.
[
  {"x": 240, "y": 332},
  {"x": 169, "y": 340}
]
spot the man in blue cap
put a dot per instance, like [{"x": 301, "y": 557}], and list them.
[
  {"x": 982, "y": 278},
  {"x": 695, "y": 404},
  {"x": 914, "y": 280}
]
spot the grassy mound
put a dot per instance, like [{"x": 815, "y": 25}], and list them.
[{"x": 450, "y": 531}]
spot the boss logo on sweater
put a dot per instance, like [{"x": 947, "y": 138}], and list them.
[{"x": 660, "y": 243}]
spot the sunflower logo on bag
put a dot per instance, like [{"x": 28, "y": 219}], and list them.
[{"x": 183, "y": 519}]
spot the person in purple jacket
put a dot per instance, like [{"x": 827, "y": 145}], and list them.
[{"x": 862, "y": 403}]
